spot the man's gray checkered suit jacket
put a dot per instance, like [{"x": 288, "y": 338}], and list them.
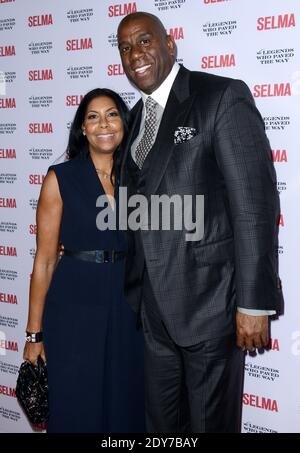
[{"x": 198, "y": 285}]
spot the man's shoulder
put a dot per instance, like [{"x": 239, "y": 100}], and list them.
[
  {"x": 210, "y": 81},
  {"x": 136, "y": 107},
  {"x": 204, "y": 82},
  {"x": 67, "y": 165}
]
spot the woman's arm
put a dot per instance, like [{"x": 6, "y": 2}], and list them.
[{"x": 49, "y": 212}]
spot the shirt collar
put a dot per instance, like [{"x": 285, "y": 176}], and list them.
[{"x": 161, "y": 94}]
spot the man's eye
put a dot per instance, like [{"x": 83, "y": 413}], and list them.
[
  {"x": 145, "y": 41},
  {"x": 124, "y": 49}
]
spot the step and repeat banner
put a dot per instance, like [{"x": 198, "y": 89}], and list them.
[{"x": 51, "y": 53}]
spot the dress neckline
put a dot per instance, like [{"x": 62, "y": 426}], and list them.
[{"x": 92, "y": 165}]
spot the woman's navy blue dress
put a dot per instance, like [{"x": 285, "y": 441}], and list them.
[{"x": 94, "y": 351}]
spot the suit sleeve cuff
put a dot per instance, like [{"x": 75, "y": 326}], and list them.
[{"x": 248, "y": 311}]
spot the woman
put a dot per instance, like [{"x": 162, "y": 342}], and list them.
[{"x": 89, "y": 336}]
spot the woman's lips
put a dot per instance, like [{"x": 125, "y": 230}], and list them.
[{"x": 104, "y": 136}]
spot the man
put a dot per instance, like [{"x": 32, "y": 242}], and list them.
[{"x": 196, "y": 133}]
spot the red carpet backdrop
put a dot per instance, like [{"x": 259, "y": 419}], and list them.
[{"x": 51, "y": 53}]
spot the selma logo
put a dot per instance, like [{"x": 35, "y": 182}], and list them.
[
  {"x": 177, "y": 33},
  {"x": 40, "y": 128},
  {"x": 272, "y": 90},
  {"x": 7, "y": 153},
  {"x": 260, "y": 402},
  {"x": 39, "y": 21},
  {"x": 280, "y": 220},
  {"x": 218, "y": 61},
  {"x": 36, "y": 179},
  {"x": 10, "y": 346},
  {"x": 79, "y": 44},
  {"x": 8, "y": 298},
  {"x": 115, "y": 70},
  {"x": 8, "y": 203},
  {"x": 7, "y": 51},
  {"x": 6, "y": 250},
  {"x": 279, "y": 155},
  {"x": 273, "y": 344},
  {"x": 32, "y": 229},
  {"x": 121, "y": 9},
  {"x": 7, "y": 1},
  {"x": 7, "y": 103},
  {"x": 73, "y": 100},
  {"x": 274, "y": 22},
  {"x": 7, "y": 391},
  {"x": 40, "y": 74}
]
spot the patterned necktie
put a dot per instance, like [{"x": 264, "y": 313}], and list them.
[{"x": 147, "y": 139}]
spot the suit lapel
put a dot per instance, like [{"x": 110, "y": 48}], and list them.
[
  {"x": 133, "y": 132},
  {"x": 177, "y": 108}
]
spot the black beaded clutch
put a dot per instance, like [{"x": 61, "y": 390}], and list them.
[{"x": 32, "y": 391}]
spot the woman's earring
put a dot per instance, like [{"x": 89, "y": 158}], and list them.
[{"x": 83, "y": 132}]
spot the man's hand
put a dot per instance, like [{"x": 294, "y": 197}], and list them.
[{"x": 252, "y": 331}]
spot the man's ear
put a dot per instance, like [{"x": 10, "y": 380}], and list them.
[{"x": 172, "y": 45}]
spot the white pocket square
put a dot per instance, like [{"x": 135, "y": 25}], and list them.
[{"x": 183, "y": 134}]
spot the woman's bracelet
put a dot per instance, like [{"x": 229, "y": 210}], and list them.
[{"x": 34, "y": 337}]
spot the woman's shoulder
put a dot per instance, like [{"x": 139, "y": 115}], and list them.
[{"x": 66, "y": 166}]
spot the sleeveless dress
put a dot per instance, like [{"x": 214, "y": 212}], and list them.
[{"x": 93, "y": 349}]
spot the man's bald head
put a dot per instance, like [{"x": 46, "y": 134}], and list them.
[
  {"x": 141, "y": 15},
  {"x": 147, "y": 51}
]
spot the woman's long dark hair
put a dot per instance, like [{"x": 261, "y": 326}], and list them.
[{"x": 78, "y": 143}]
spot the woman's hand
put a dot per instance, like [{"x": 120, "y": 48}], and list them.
[{"x": 32, "y": 351}]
